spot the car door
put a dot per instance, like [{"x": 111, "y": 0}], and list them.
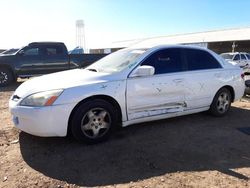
[
  {"x": 248, "y": 58},
  {"x": 248, "y": 63},
  {"x": 29, "y": 60},
  {"x": 203, "y": 78},
  {"x": 243, "y": 60},
  {"x": 161, "y": 93},
  {"x": 54, "y": 59}
]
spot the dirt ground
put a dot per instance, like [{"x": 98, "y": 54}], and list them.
[{"x": 191, "y": 151}]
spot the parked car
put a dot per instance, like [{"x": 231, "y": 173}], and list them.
[
  {"x": 41, "y": 58},
  {"x": 10, "y": 51},
  {"x": 127, "y": 87},
  {"x": 240, "y": 59}
]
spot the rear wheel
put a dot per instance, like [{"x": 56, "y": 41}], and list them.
[
  {"x": 221, "y": 102},
  {"x": 93, "y": 121},
  {"x": 6, "y": 76}
]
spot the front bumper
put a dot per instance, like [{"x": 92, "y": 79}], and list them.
[{"x": 41, "y": 121}]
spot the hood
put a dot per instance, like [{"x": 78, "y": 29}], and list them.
[
  {"x": 61, "y": 80},
  {"x": 7, "y": 55},
  {"x": 232, "y": 62}
]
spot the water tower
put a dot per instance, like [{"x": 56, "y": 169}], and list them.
[{"x": 80, "y": 34}]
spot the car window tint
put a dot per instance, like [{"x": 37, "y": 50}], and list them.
[
  {"x": 237, "y": 57},
  {"x": 53, "y": 50},
  {"x": 200, "y": 59},
  {"x": 31, "y": 51},
  {"x": 243, "y": 57},
  {"x": 165, "y": 61},
  {"x": 248, "y": 56}
]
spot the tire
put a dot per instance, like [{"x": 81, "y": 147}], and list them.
[
  {"x": 6, "y": 77},
  {"x": 221, "y": 103},
  {"x": 93, "y": 121}
]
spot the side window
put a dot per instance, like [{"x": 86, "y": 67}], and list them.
[
  {"x": 236, "y": 57},
  {"x": 165, "y": 61},
  {"x": 199, "y": 59},
  {"x": 248, "y": 56},
  {"x": 53, "y": 50},
  {"x": 31, "y": 51},
  {"x": 243, "y": 57}
]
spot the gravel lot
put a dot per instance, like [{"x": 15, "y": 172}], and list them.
[{"x": 191, "y": 151}]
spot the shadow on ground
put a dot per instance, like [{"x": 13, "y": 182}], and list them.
[
  {"x": 11, "y": 87},
  {"x": 192, "y": 143}
]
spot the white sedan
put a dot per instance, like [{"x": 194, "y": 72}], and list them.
[{"x": 127, "y": 87}]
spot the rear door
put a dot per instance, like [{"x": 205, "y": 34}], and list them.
[
  {"x": 248, "y": 62},
  {"x": 54, "y": 59},
  {"x": 248, "y": 58},
  {"x": 243, "y": 60},
  {"x": 203, "y": 78},
  {"x": 161, "y": 93}
]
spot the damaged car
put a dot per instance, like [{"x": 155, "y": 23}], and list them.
[{"x": 130, "y": 86}]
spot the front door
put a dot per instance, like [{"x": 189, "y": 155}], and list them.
[
  {"x": 162, "y": 93},
  {"x": 29, "y": 60}
]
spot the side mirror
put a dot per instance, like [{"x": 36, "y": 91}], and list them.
[
  {"x": 21, "y": 52},
  {"x": 144, "y": 70}
]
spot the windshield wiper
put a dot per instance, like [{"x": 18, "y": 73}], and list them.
[{"x": 93, "y": 70}]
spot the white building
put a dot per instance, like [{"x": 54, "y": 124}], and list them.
[{"x": 237, "y": 39}]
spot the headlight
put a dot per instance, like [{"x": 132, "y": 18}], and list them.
[{"x": 46, "y": 98}]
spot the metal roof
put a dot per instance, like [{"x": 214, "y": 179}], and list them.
[{"x": 237, "y": 34}]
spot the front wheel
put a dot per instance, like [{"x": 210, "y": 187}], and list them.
[
  {"x": 93, "y": 121},
  {"x": 221, "y": 102}
]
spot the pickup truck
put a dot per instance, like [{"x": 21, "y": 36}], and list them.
[{"x": 40, "y": 58}]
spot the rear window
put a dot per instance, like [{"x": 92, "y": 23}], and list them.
[{"x": 200, "y": 59}]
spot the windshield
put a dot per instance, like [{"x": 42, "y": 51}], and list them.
[
  {"x": 116, "y": 61},
  {"x": 227, "y": 56}
]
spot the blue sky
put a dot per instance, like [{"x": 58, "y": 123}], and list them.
[{"x": 106, "y": 21}]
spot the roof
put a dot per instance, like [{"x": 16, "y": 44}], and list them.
[
  {"x": 45, "y": 43},
  {"x": 236, "y": 34}
]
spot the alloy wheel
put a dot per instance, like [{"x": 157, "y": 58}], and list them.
[
  {"x": 95, "y": 123},
  {"x": 223, "y": 102}
]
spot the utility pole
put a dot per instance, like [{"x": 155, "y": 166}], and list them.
[{"x": 233, "y": 46}]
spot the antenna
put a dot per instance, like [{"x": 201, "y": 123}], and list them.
[{"x": 80, "y": 34}]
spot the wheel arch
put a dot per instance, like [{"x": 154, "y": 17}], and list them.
[
  {"x": 106, "y": 98},
  {"x": 231, "y": 89}
]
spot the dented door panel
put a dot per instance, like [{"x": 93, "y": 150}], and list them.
[
  {"x": 155, "y": 95},
  {"x": 203, "y": 85}
]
